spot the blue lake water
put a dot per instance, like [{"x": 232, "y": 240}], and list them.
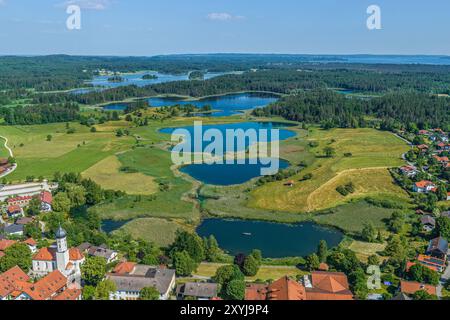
[
  {"x": 227, "y": 174},
  {"x": 224, "y": 105},
  {"x": 284, "y": 134},
  {"x": 275, "y": 240}
]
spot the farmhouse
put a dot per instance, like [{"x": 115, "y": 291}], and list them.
[
  {"x": 424, "y": 186},
  {"x": 132, "y": 278}
]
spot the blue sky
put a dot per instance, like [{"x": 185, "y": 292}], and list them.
[{"x": 149, "y": 27}]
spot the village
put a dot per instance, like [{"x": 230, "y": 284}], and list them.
[{"x": 49, "y": 269}]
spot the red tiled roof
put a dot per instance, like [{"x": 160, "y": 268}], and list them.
[
  {"x": 424, "y": 184},
  {"x": 329, "y": 286},
  {"x": 5, "y": 244},
  {"x": 22, "y": 198},
  {"x": 12, "y": 280},
  {"x": 14, "y": 209},
  {"x": 47, "y": 287},
  {"x": 69, "y": 295},
  {"x": 46, "y": 197},
  {"x": 286, "y": 289},
  {"x": 256, "y": 292},
  {"x": 45, "y": 254},
  {"x": 124, "y": 268},
  {"x": 409, "y": 287},
  {"x": 75, "y": 254},
  {"x": 30, "y": 242}
]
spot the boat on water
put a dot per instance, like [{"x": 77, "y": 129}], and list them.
[{"x": 247, "y": 234}]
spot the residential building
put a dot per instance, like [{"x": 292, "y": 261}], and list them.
[
  {"x": 428, "y": 223},
  {"x": 438, "y": 248},
  {"x": 100, "y": 251},
  {"x": 409, "y": 171},
  {"x": 13, "y": 230},
  {"x": 410, "y": 288},
  {"x": 200, "y": 291},
  {"x": 424, "y": 186},
  {"x": 14, "y": 211},
  {"x": 131, "y": 279}
]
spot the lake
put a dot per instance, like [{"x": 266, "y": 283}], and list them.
[
  {"x": 275, "y": 240},
  {"x": 136, "y": 79},
  {"x": 227, "y": 174},
  {"x": 284, "y": 134},
  {"x": 224, "y": 106}
]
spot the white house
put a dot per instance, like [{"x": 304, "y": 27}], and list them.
[
  {"x": 424, "y": 186},
  {"x": 131, "y": 282}
]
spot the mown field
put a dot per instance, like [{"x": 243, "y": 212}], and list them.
[
  {"x": 372, "y": 153},
  {"x": 265, "y": 272},
  {"x": 159, "y": 231}
]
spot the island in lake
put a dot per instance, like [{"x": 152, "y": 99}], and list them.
[
  {"x": 116, "y": 79},
  {"x": 149, "y": 77}
]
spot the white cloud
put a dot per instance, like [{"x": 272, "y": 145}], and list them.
[
  {"x": 223, "y": 16},
  {"x": 89, "y": 4}
]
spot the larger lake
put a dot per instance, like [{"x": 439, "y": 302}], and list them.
[
  {"x": 228, "y": 174},
  {"x": 223, "y": 106},
  {"x": 275, "y": 240},
  {"x": 284, "y": 133}
]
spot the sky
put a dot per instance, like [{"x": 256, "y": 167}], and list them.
[{"x": 151, "y": 27}]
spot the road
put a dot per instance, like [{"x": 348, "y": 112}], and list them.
[
  {"x": 11, "y": 154},
  {"x": 444, "y": 278}
]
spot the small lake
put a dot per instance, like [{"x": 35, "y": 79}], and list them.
[
  {"x": 136, "y": 79},
  {"x": 275, "y": 240},
  {"x": 224, "y": 106},
  {"x": 227, "y": 174},
  {"x": 109, "y": 226}
]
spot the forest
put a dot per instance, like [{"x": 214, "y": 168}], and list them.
[{"x": 336, "y": 110}]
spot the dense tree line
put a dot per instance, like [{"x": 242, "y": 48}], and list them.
[
  {"x": 40, "y": 114},
  {"x": 335, "y": 110}
]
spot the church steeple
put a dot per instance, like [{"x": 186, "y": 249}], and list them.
[{"x": 62, "y": 252}]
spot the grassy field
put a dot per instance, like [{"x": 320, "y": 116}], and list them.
[
  {"x": 364, "y": 250},
  {"x": 159, "y": 231},
  {"x": 265, "y": 272},
  {"x": 65, "y": 152},
  {"x": 352, "y": 217},
  {"x": 369, "y": 148},
  {"x": 107, "y": 174}
]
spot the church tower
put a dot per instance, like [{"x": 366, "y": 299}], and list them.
[{"x": 62, "y": 252}]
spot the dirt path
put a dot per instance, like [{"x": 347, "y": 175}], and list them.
[{"x": 11, "y": 154}]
